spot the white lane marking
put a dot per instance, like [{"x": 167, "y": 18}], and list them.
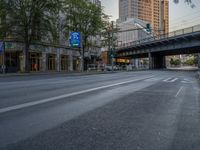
[
  {"x": 29, "y": 104},
  {"x": 152, "y": 79},
  {"x": 179, "y": 91},
  {"x": 170, "y": 80},
  {"x": 186, "y": 79},
  {"x": 174, "y": 80},
  {"x": 186, "y": 82},
  {"x": 167, "y": 79}
]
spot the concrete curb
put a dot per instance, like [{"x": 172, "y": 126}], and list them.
[
  {"x": 53, "y": 73},
  {"x": 65, "y": 73}
]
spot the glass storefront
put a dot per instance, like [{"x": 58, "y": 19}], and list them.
[
  {"x": 1, "y": 62},
  {"x": 35, "y": 61},
  {"x": 40, "y": 58},
  {"x": 76, "y": 64},
  {"x": 64, "y": 63},
  {"x": 12, "y": 62},
  {"x": 1, "y": 59},
  {"x": 51, "y": 62}
]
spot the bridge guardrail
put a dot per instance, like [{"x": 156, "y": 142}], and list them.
[{"x": 163, "y": 36}]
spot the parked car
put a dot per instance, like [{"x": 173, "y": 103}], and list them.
[
  {"x": 109, "y": 68},
  {"x": 91, "y": 67}
]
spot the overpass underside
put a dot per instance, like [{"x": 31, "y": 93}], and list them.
[
  {"x": 157, "y": 50},
  {"x": 156, "y": 61}
]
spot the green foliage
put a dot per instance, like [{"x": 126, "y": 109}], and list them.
[
  {"x": 83, "y": 17},
  {"x": 44, "y": 20},
  {"x": 175, "y": 62},
  {"x": 28, "y": 19},
  {"x": 192, "y": 61},
  {"x": 109, "y": 33}
]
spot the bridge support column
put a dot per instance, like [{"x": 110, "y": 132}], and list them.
[
  {"x": 137, "y": 63},
  {"x": 159, "y": 62},
  {"x": 156, "y": 61},
  {"x": 150, "y": 61}
]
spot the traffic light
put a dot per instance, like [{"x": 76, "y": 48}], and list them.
[{"x": 148, "y": 27}]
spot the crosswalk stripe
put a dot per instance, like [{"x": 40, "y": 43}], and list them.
[
  {"x": 174, "y": 80},
  {"x": 167, "y": 79},
  {"x": 170, "y": 80},
  {"x": 153, "y": 79}
]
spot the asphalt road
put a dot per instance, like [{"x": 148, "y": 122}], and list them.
[{"x": 146, "y": 110}]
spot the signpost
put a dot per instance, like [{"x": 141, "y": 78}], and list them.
[
  {"x": 76, "y": 41},
  {"x": 2, "y": 51}
]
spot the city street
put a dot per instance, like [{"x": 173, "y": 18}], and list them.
[{"x": 144, "y": 110}]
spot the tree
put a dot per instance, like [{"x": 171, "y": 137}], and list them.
[
  {"x": 196, "y": 59},
  {"x": 3, "y": 26},
  {"x": 29, "y": 20},
  {"x": 193, "y": 60},
  {"x": 109, "y": 36},
  {"x": 175, "y": 62},
  {"x": 84, "y": 17}
]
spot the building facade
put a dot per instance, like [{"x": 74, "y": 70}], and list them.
[
  {"x": 131, "y": 30},
  {"x": 93, "y": 52},
  {"x": 42, "y": 58},
  {"x": 45, "y": 57},
  {"x": 156, "y": 12}
]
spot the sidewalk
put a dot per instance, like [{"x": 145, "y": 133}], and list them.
[{"x": 55, "y": 73}]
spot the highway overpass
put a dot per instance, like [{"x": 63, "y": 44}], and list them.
[{"x": 184, "y": 41}]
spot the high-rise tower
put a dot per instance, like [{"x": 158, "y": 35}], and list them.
[{"x": 155, "y": 12}]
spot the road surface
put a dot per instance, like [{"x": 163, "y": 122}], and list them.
[{"x": 146, "y": 110}]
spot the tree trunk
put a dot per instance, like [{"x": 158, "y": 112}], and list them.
[
  {"x": 27, "y": 58},
  {"x": 109, "y": 51},
  {"x": 82, "y": 59},
  {"x": 83, "y": 55}
]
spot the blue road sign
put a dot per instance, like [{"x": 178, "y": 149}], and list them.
[
  {"x": 75, "y": 40},
  {"x": 1, "y": 47}
]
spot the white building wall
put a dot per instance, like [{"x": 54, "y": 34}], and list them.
[{"x": 136, "y": 31}]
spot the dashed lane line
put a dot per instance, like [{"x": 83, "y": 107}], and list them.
[
  {"x": 29, "y": 104},
  {"x": 179, "y": 91}
]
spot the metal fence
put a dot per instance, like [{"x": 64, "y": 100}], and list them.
[{"x": 176, "y": 33}]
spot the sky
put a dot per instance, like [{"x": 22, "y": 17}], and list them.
[{"x": 180, "y": 15}]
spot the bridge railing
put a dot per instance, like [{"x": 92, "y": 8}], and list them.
[{"x": 180, "y": 32}]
